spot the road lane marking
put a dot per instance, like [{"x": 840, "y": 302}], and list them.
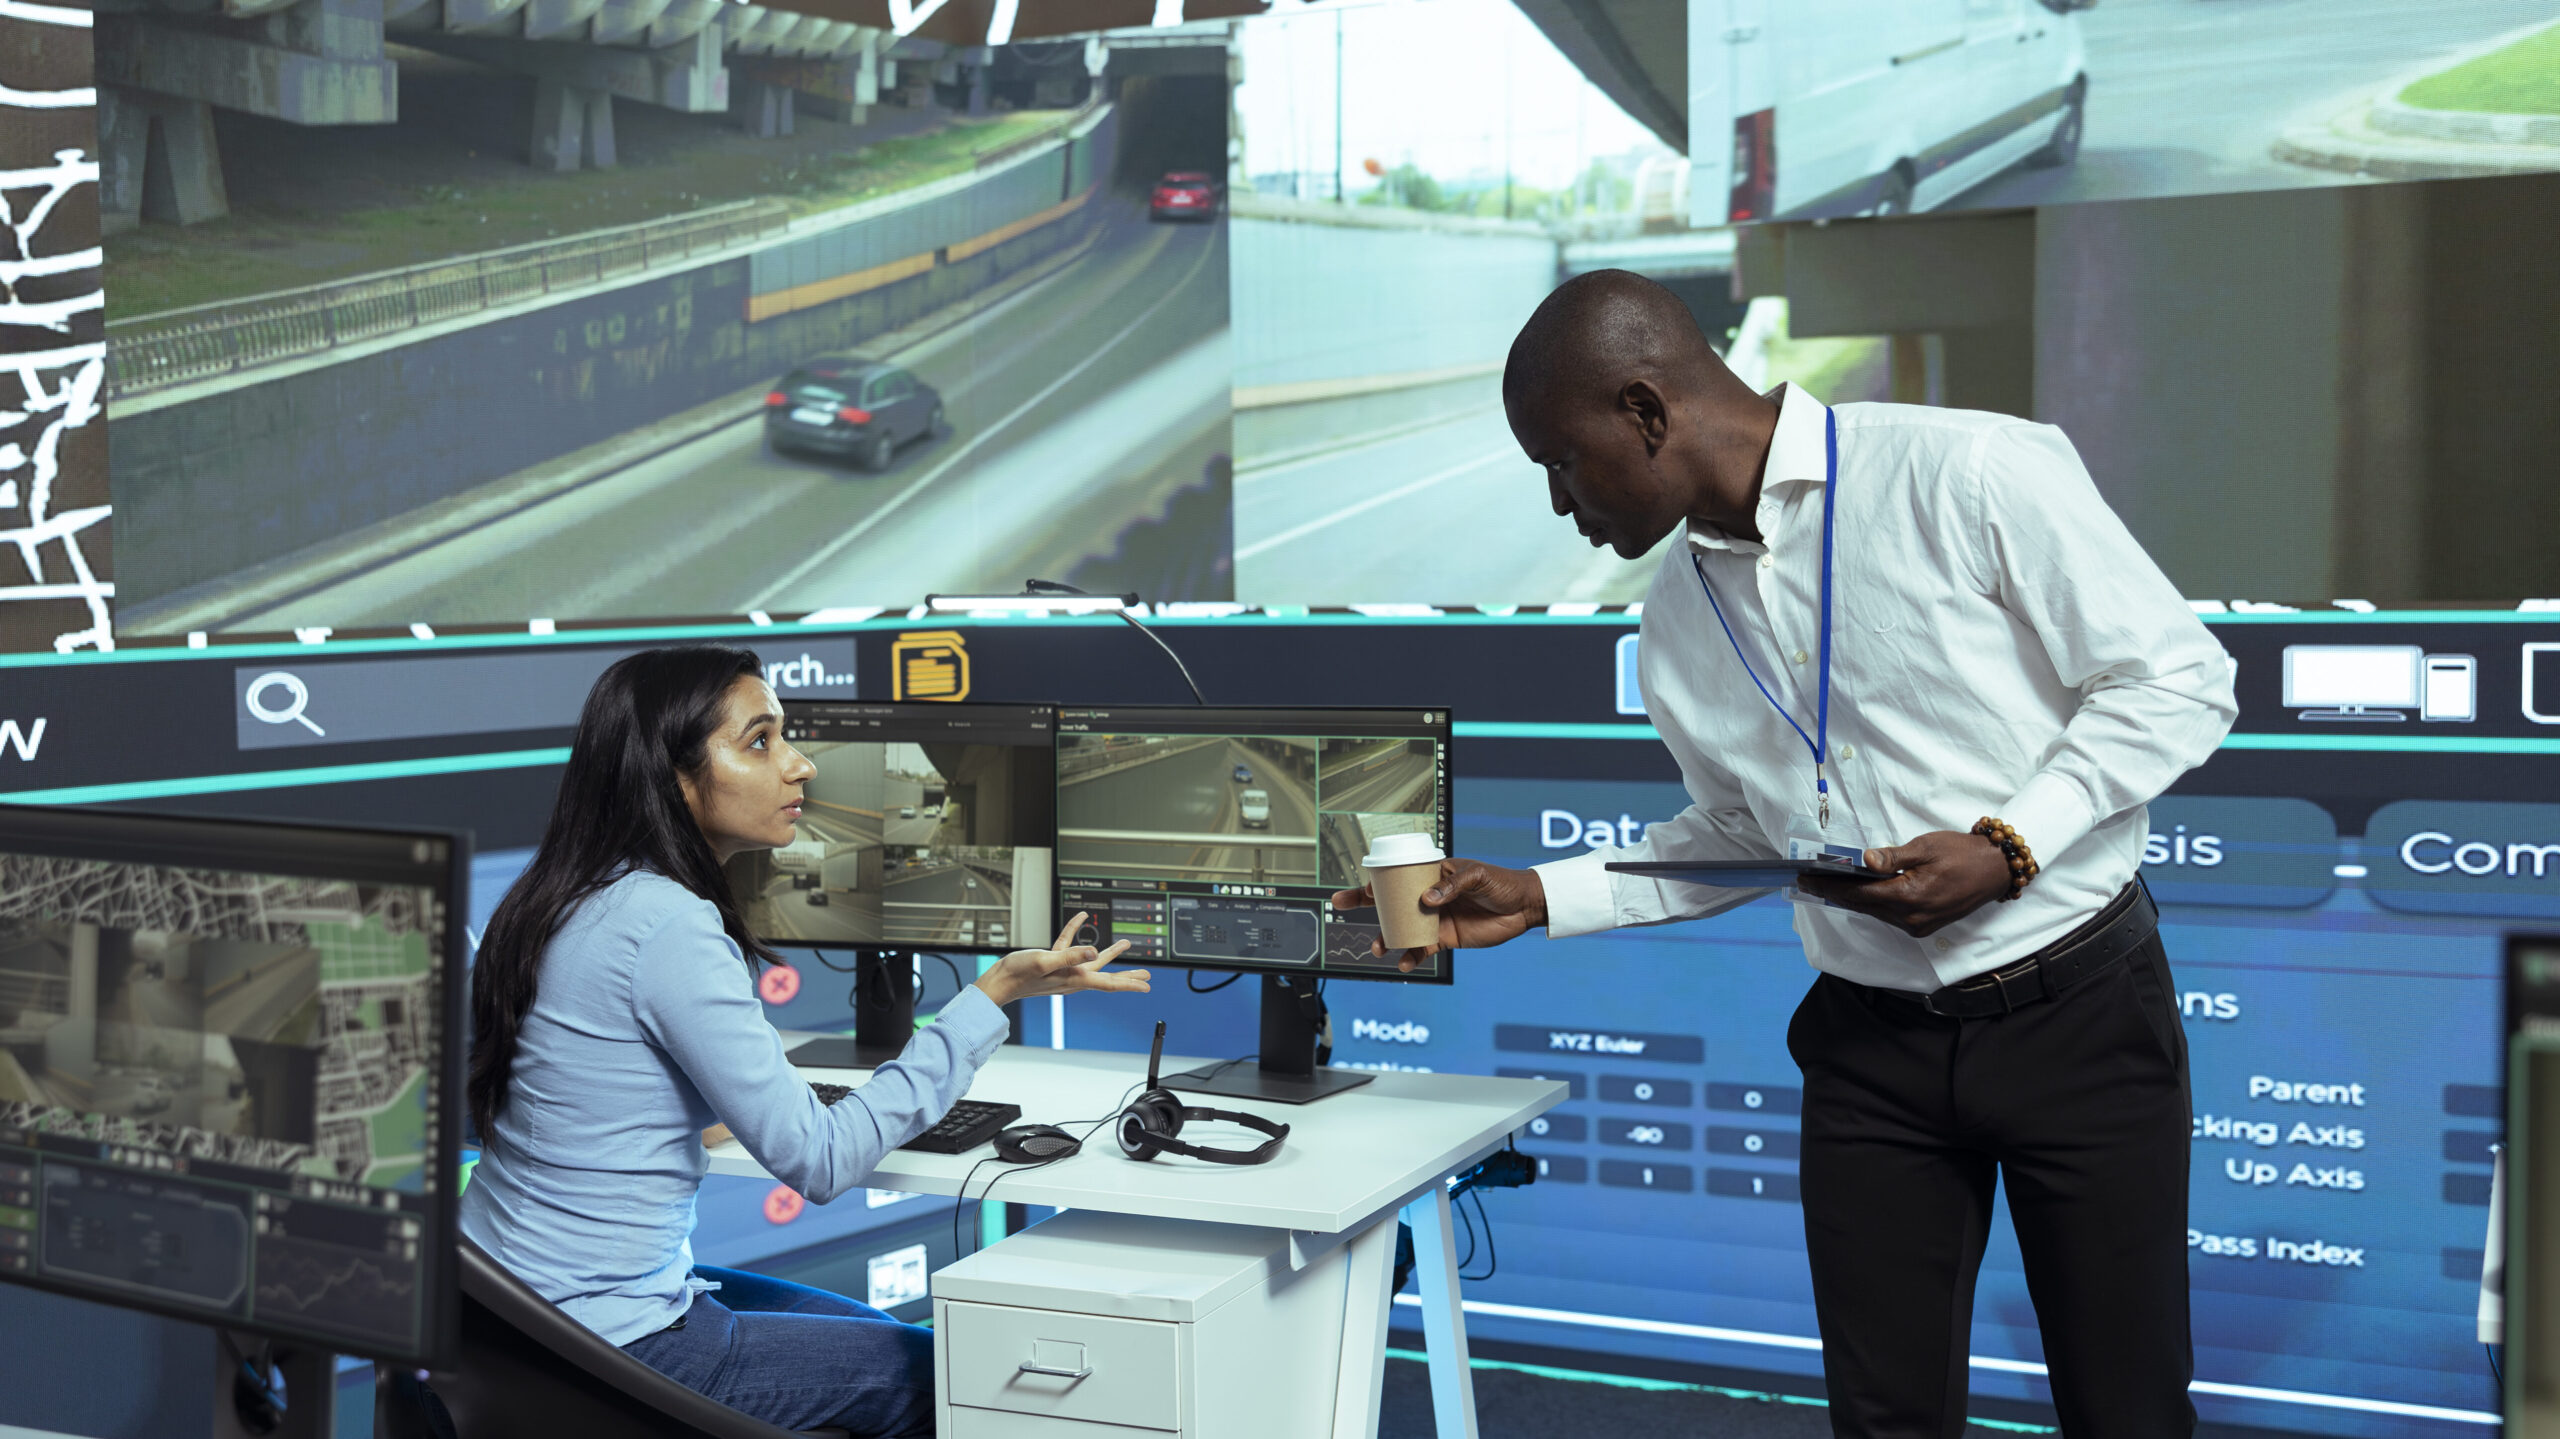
[
  {"x": 1300, "y": 532},
  {"x": 871, "y": 521},
  {"x": 1254, "y": 474}
]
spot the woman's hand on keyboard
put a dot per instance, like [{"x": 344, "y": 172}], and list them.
[{"x": 1064, "y": 968}]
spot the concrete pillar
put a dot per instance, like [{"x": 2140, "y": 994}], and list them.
[
  {"x": 766, "y": 111},
  {"x": 866, "y": 71},
  {"x": 124, "y": 146},
  {"x": 71, "y": 1045},
  {"x": 559, "y": 125},
  {"x": 600, "y": 152},
  {"x": 572, "y": 124},
  {"x": 156, "y": 161}
]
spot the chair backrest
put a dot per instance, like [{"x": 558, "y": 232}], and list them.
[{"x": 522, "y": 1369}]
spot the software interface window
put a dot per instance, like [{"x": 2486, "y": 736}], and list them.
[
  {"x": 218, "y": 1091},
  {"x": 926, "y": 825},
  {"x": 1214, "y": 838}
]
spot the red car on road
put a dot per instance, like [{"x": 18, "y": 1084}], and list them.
[{"x": 1185, "y": 195}]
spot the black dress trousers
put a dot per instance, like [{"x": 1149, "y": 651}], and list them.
[{"x": 2079, "y": 1105}]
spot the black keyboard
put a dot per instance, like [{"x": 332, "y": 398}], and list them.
[{"x": 970, "y": 1123}]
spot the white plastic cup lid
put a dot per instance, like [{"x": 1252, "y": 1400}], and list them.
[{"x": 1391, "y": 851}]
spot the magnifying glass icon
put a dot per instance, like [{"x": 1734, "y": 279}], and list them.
[{"x": 297, "y": 696}]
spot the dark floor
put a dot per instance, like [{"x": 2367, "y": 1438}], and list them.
[
  {"x": 1511, "y": 1404},
  {"x": 1526, "y": 1392}
]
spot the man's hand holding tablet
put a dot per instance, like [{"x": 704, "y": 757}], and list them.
[{"x": 1934, "y": 881}]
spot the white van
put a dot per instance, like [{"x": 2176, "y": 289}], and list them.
[
  {"x": 1254, "y": 808},
  {"x": 1801, "y": 109}
]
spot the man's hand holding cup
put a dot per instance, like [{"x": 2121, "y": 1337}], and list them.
[{"x": 1428, "y": 902}]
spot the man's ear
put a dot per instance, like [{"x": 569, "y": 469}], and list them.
[{"x": 1643, "y": 406}]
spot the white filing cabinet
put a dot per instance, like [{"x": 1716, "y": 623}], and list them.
[{"x": 1093, "y": 1325}]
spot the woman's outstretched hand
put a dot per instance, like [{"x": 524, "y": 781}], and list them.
[{"x": 1063, "y": 968}]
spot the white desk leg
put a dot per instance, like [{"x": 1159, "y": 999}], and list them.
[
  {"x": 1444, "y": 1324},
  {"x": 1371, "y": 1266}
]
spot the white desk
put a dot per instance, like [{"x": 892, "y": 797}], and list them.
[{"x": 1352, "y": 1163}]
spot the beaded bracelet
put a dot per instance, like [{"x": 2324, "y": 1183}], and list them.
[{"x": 2022, "y": 860}]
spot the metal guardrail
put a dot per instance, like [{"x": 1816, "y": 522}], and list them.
[{"x": 153, "y": 352}]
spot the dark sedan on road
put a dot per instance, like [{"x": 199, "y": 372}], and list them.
[
  {"x": 849, "y": 406},
  {"x": 1244, "y": 774},
  {"x": 1184, "y": 195}
]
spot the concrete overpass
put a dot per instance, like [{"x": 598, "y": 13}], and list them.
[{"x": 164, "y": 67}]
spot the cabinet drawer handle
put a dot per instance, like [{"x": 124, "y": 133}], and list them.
[{"x": 1029, "y": 1367}]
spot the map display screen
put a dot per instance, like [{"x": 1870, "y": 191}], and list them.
[{"x": 223, "y": 1086}]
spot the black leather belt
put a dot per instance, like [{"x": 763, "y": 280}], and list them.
[{"x": 2115, "y": 932}]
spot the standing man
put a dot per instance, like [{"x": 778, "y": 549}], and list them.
[{"x": 1917, "y": 634}]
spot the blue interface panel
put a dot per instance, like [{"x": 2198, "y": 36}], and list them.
[{"x": 2340, "y": 997}]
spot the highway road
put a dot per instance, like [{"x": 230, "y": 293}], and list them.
[
  {"x": 845, "y": 917},
  {"x": 1074, "y": 409},
  {"x": 987, "y": 906},
  {"x": 2188, "y": 96},
  {"x": 1448, "y": 514},
  {"x": 1191, "y": 791},
  {"x": 1399, "y": 782},
  {"x": 919, "y": 830}
]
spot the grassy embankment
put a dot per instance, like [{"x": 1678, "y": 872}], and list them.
[
  {"x": 260, "y": 249},
  {"x": 2519, "y": 79}
]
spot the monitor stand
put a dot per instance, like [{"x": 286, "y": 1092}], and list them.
[
  {"x": 1287, "y": 1073},
  {"x": 884, "y": 1015},
  {"x": 2354, "y": 714}
]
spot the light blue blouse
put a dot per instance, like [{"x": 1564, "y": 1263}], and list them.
[{"x": 645, "y": 1029}]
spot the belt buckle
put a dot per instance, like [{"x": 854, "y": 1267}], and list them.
[{"x": 2000, "y": 981}]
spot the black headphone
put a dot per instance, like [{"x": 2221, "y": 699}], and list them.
[{"x": 1149, "y": 1125}]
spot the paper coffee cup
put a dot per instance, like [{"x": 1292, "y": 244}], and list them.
[{"x": 1401, "y": 867}]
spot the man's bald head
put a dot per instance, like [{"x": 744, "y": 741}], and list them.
[
  {"x": 1613, "y": 391},
  {"x": 1596, "y": 332}
]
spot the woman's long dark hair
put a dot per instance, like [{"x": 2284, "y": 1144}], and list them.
[{"x": 621, "y": 807}]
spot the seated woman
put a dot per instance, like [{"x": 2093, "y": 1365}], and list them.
[{"x": 614, "y": 1016}]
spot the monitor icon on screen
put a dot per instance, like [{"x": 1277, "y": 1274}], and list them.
[{"x": 2353, "y": 682}]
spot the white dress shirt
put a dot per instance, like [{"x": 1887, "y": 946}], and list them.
[{"x": 2000, "y": 646}]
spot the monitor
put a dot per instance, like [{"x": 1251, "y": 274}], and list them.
[
  {"x": 928, "y": 826},
  {"x": 1215, "y": 838},
  {"x": 230, "y": 1072},
  {"x": 2351, "y": 681}
]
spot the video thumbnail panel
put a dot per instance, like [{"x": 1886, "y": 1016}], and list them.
[
  {"x": 1845, "y": 107},
  {"x": 936, "y": 840},
  {"x": 394, "y": 358},
  {"x": 1216, "y": 838}
]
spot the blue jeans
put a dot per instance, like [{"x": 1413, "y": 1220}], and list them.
[{"x": 798, "y": 1357}]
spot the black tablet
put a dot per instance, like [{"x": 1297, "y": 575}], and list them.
[{"x": 1744, "y": 873}]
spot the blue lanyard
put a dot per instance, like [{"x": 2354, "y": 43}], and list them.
[{"x": 1819, "y": 742}]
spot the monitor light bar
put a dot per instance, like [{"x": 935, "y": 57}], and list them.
[{"x": 1033, "y": 603}]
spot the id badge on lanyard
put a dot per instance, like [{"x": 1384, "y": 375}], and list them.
[{"x": 1819, "y": 832}]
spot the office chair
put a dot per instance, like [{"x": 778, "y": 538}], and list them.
[{"x": 523, "y": 1370}]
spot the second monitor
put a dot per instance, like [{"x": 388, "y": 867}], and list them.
[{"x": 1213, "y": 838}]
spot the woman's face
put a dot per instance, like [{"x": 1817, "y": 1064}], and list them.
[{"x": 747, "y": 793}]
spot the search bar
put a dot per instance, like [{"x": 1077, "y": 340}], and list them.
[{"x": 337, "y": 702}]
